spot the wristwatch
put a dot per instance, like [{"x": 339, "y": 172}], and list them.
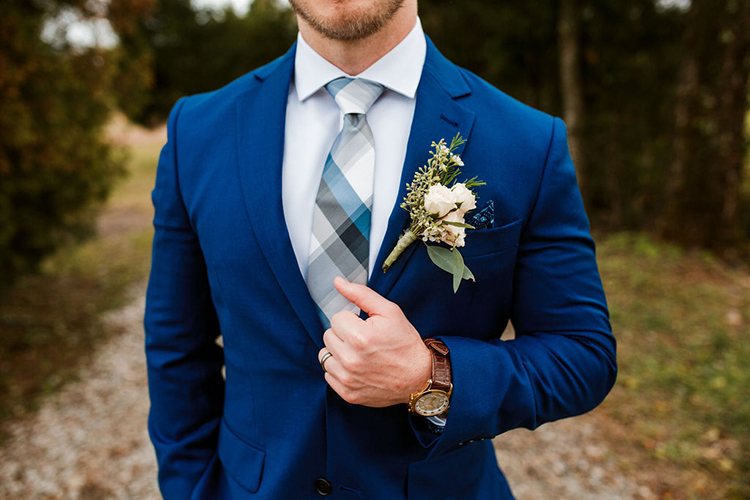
[{"x": 434, "y": 398}]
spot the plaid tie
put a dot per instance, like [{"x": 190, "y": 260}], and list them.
[{"x": 341, "y": 223}]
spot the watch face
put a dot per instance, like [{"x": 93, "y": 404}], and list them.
[{"x": 431, "y": 403}]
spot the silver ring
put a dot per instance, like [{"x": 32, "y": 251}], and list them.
[{"x": 324, "y": 359}]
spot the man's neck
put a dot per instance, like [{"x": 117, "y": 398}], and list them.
[{"x": 354, "y": 56}]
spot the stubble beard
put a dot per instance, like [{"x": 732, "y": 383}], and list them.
[{"x": 349, "y": 26}]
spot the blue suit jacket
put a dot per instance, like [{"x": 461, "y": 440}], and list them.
[{"x": 223, "y": 264}]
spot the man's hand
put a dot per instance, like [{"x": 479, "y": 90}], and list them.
[{"x": 377, "y": 362}]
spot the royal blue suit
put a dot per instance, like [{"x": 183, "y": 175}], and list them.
[{"x": 223, "y": 264}]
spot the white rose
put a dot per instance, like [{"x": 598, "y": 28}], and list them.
[
  {"x": 453, "y": 235},
  {"x": 463, "y": 196},
  {"x": 439, "y": 200}
]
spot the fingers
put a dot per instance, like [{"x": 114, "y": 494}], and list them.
[
  {"x": 346, "y": 326},
  {"x": 363, "y": 297},
  {"x": 333, "y": 374},
  {"x": 356, "y": 396},
  {"x": 342, "y": 351},
  {"x": 332, "y": 341},
  {"x": 349, "y": 354},
  {"x": 359, "y": 370},
  {"x": 344, "y": 384},
  {"x": 341, "y": 362}
]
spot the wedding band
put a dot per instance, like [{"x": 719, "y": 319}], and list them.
[{"x": 324, "y": 359}]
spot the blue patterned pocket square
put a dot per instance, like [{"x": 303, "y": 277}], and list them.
[{"x": 484, "y": 218}]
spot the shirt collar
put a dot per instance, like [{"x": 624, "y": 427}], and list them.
[{"x": 398, "y": 70}]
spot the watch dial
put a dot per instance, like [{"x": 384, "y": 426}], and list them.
[{"x": 432, "y": 403}]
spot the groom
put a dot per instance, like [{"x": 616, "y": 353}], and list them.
[{"x": 276, "y": 202}]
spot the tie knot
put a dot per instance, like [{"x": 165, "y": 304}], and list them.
[{"x": 354, "y": 95}]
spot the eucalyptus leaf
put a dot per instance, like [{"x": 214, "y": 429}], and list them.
[
  {"x": 457, "y": 224},
  {"x": 441, "y": 257},
  {"x": 458, "y": 269},
  {"x": 451, "y": 262},
  {"x": 468, "y": 275}
]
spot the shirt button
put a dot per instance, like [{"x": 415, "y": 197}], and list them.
[{"x": 323, "y": 486}]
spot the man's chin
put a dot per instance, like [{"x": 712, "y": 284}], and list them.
[{"x": 347, "y": 22}]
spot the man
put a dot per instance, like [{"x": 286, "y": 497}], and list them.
[{"x": 364, "y": 408}]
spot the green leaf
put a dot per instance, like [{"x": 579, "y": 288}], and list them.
[
  {"x": 468, "y": 275},
  {"x": 458, "y": 269},
  {"x": 457, "y": 141},
  {"x": 451, "y": 262},
  {"x": 457, "y": 224},
  {"x": 473, "y": 182},
  {"x": 441, "y": 257}
]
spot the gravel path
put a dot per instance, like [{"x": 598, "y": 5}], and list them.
[
  {"x": 565, "y": 460},
  {"x": 89, "y": 440}
]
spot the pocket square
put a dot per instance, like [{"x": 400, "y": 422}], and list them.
[{"x": 484, "y": 218}]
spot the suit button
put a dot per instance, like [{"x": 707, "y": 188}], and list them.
[{"x": 323, "y": 486}]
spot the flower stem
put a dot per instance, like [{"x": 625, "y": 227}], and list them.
[{"x": 404, "y": 241}]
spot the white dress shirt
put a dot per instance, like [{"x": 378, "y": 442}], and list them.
[{"x": 313, "y": 120}]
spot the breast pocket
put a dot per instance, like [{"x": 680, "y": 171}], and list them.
[
  {"x": 480, "y": 308},
  {"x": 491, "y": 241},
  {"x": 490, "y": 254}
]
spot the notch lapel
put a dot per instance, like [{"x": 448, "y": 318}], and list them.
[
  {"x": 437, "y": 116},
  {"x": 261, "y": 124}
]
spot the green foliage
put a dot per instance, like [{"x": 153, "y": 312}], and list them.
[
  {"x": 132, "y": 56},
  {"x": 452, "y": 262},
  {"x": 442, "y": 169},
  {"x": 54, "y": 164},
  {"x": 197, "y": 51}
]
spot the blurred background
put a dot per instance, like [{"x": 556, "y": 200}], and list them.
[{"x": 655, "y": 95}]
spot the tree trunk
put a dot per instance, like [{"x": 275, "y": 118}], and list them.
[
  {"x": 687, "y": 92},
  {"x": 569, "y": 46},
  {"x": 704, "y": 183},
  {"x": 732, "y": 93}
]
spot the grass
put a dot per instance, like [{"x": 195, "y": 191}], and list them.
[
  {"x": 682, "y": 401},
  {"x": 50, "y": 322}
]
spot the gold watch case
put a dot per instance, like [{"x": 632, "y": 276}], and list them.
[{"x": 430, "y": 402}]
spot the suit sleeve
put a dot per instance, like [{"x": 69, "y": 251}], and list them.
[
  {"x": 184, "y": 362},
  {"x": 562, "y": 361}
]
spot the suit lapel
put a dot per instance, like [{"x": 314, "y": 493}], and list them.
[
  {"x": 260, "y": 144},
  {"x": 437, "y": 116},
  {"x": 261, "y": 122}
]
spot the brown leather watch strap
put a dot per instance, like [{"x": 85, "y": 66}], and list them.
[{"x": 441, "y": 365}]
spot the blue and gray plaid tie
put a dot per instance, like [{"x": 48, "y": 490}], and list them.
[{"x": 341, "y": 223}]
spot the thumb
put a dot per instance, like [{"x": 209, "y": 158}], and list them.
[{"x": 363, "y": 297}]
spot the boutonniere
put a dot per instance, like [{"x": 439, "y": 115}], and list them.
[{"x": 437, "y": 205}]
